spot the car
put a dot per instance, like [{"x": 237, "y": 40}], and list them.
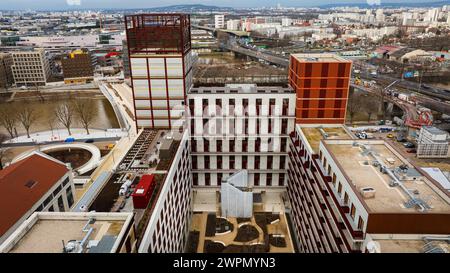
[
  {"x": 390, "y": 136},
  {"x": 69, "y": 140},
  {"x": 408, "y": 145},
  {"x": 89, "y": 141},
  {"x": 412, "y": 151},
  {"x": 401, "y": 140}
]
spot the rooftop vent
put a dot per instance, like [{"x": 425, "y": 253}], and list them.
[
  {"x": 368, "y": 192},
  {"x": 30, "y": 184}
]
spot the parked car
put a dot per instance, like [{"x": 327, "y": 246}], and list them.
[
  {"x": 89, "y": 140},
  {"x": 412, "y": 151},
  {"x": 69, "y": 140},
  {"x": 390, "y": 136},
  {"x": 408, "y": 145}
]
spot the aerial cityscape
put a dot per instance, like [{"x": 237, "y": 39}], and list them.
[{"x": 238, "y": 128}]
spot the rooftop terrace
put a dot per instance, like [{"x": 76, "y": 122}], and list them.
[{"x": 314, "y": 134}]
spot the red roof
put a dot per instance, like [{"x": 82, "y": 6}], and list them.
[
  {"x": 144, "y": 185},
  {"x": 24, "y": 183}
]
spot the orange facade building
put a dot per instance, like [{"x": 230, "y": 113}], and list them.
[{"x": 321, "y": 82}]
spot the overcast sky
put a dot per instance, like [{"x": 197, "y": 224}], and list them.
[{"x": 87, "y": 4}]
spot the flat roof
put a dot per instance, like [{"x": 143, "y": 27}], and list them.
[
  {"x": 240, "y": 89},
  {"x": 357, "y": 165},
  {"x": 410, "y": 245},
  {"x": 319, "y": 57},
  {"x": 314, "y": 134},
  {"x": 44, "y": 232}
]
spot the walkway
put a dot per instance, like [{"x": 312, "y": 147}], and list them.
[{"x": 59, "y": 135}]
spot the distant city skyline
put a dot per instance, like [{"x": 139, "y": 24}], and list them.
[{"x": 107, "y": 4}]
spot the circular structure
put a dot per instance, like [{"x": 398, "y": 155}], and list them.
[{"x": 92, "y": 149}]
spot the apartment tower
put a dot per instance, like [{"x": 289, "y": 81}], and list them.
[
  {"x": 159, "y": 49},
  {"x": 321, "y": 82}
]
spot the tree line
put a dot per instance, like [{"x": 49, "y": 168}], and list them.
[{"x": 65, "y": 113}]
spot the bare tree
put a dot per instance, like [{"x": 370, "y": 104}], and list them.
[
  {"x": 51, "y": 123},
  {"x": 8, "y": 118},
  {"x": 64, "y": 113},
  {"x": 370, "y": 107},
  {"x": 85, "y": 112},
  {"x": 27, "y": 116},
  {"x": 354, "y": 105}
]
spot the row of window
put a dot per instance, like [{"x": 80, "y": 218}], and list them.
[
  {"x": 218, "y": 125},
  {"x": 54, "y": 194},
  {"x": 244, "y": 162},
  {"x": 232, "y": 145},
  {"x": 245, "y": 104},
  {"x": 256, "y": 179}
]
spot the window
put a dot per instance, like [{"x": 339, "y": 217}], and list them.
[
  {"x": 360, "y": 223},
  {"x": 57, "y": 190},
  {"x": 207, "y": 179},
  {"x": 195, "y": 179},
  {"x": 48, "y": 200},
  {"x": 284, "y": 125},
  {"x": 345, "y": 198},
  {"x": 219, "y": 145},
  {"x": 258, "y": 106},
  {"x": 283, "y": 144},
  {"x": 60, "y": 204},
  {"x": 219, "y": 162},
  {"x": 191, "y": 106},
  {"x": 206, "y": 145},
  {"x": 245, "y": 106},
  {"x": 257, "y": 162},
  {"x": 245, "y": 145},
  {"x": 232, "y": 144},
  {"x": 258, "y": 144},
  {"x": 285, "y": 107},
  {"x": 256, "y": 179},
  {"x": 244, "y": 162},
  {"x": 339, "y": 188},
  {"x": 353, "y": 211},
  {"x": 219, "y": 179},
  {"x": 69, "y": 196},
  {"x": 269, "y": 179},
  {"x": 269, "y": 162},
  {"x": 194, "y": 146},
  {"x": 64, "y": 183},
  {"x": 194, "y": 162},
  {"x": 281, "y": 179},
  {"x": 206, "y": 161},
  {"x": 282, "y": 162},
  {"x": 232, "y": 162},
  {"x": 271, "y": 106}
]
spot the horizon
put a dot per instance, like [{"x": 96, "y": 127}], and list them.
[{"x": 62, "y": 5}]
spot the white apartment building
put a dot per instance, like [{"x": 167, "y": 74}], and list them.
[
  {"x": 234, "y": 24},
  {"x": 432, "y": 143},
  {"x": 30, "y": 67},
  {"x": 240, "y": 127},
  {"x": 219, "y": 21},
  {"x": 168, "y": 227}
]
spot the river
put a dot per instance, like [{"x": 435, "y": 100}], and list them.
[{"x": 105, "y": 117}]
